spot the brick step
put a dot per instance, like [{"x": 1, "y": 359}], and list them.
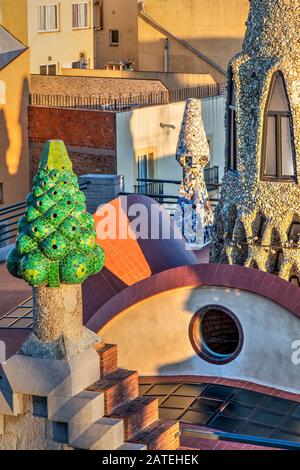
[
  {"x": 162, "y": 435},
  {"x": 108, "y": 354},
  {"x": 137, "y": 415},
  {"x": 118, "y": 388},
  {"x": 104, "y": 434}
]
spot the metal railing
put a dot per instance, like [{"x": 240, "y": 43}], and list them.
[
  {"x": 156, "y": 188},
  {"x": 123, "y": 103},
  {"x": 20, "y": 316},
  {"x": 10, "y": 216}
]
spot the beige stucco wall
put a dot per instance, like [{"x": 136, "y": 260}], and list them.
[
  {"x": 63, "y": 46},
  {"x": 28, "y": 432},
  {"x": 172, "y": 81},
  {"x": 215, "y": 27},
  {"x": 13, "y": 16},
  {"x": 139, "y": 132},
  {"x": 153, "y": 337},
  {"x": 14, "y": 167},
  {"x": 122, "y": 16}
]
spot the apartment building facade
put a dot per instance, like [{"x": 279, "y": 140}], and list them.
[
  {"x": 60, "y": 35},
  {"x": 151, "y": 36}
]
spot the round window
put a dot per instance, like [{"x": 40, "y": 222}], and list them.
[{"x": 216, "y": 334}]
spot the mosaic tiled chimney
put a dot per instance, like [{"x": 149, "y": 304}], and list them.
[
  {"x": 194, "y": 215},
  {"x": 257, "y": 223}
]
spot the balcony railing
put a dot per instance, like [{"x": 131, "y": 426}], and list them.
[{"x": 159, "y": 189}]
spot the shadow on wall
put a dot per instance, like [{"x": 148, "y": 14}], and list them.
[
  {"x": 182, "y": 60},
  {"x": 4, "y": 140},
  {"x": 258, "y": 341},
  {"x": 14, "y": 158},
  {"x": 23, "y": 122},
  {"x": 193, "y": 364},
  {"x": 137, "y": 137}
]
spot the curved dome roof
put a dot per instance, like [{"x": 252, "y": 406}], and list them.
[{"x": 139, "y": 240}]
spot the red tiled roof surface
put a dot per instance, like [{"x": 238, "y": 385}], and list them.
[
  {"x": 221, "y": 275},
  {"x": 130, "y": 259}
]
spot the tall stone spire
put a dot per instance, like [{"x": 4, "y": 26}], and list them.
[
  {"x": 257, "y": 223},
  {"x": 273, "y": 28}
]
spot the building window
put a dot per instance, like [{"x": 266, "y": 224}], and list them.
[
  {"x": 295, "y": 281},
  {"x": 80, "y": 15},
  {"x": 81, "y": 64},
  {"x": 47, "y": 18},
  {"x": 114, "y": 37},
  {"x": 145, "y": 171},
  {"x": 216, "y": 334},
  {"x": 232, "y": 127},
  {"x": 143, "y": 167},
  {"x": 48, "y": 69},
  {"x": 278, "y": 146},
  {"x": 294, "y": 233}
]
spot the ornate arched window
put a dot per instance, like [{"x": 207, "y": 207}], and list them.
[
  {"x": 232, "y": 126},
  {"x": 295, "y": 281},
  {"x": 278, "y": 146}
]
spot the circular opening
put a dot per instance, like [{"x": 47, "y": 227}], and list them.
[
  {"x": 54, "y": 247},
  {"x": 55, "y": 193},
  {"x": 69, "y": 202},
  {"x": 54, "y": 215},
  {"x": 74, "y": 228},
  {"x": 216, "y": 334}
]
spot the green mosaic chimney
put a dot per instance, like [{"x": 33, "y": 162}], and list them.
[{"x": 56, "y": 242}]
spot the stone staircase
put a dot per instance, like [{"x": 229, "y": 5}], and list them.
[{"x": 109, "y": 414}]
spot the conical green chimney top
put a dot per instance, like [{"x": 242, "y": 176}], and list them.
[{"x": 55, "y": 156}]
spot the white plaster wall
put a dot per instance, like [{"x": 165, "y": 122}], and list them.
[
  {"x": 153, "y": 337},
  {"x": 140, "y": 129}
]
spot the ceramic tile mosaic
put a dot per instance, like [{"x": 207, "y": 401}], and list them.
[
  {"x": 56, "y": 240},
  {"x": 195, "y": 215}
]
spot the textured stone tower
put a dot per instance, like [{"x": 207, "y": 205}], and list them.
[
  {"x": 257, "y": 223},
  {"x": 195, "y": 216}
]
